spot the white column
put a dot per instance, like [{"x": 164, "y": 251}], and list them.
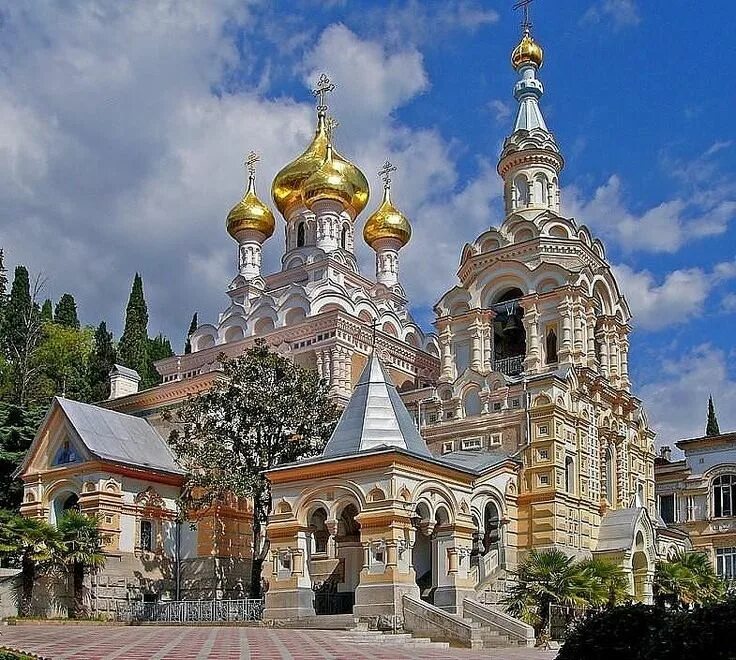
[
  {"x": 475, "y": 346},
  {"x": 488, "y": 347},
  {"x": 387, "y": 261},
  {"x": 249, "y": 253},
  {"x": 531, "y": 323},
  {"x": 446, "y": 350},
  {"x": 566, "y": 341}
]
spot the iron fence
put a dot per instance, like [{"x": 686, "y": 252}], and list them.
[
  {"x": 192, "y": 611},
  {"x": 562, "y": 619}
]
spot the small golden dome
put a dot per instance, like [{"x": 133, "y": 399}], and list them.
[
  {"x": 287, "y": 186},
  {"x": 527, "y": 52},
  {"x": 250, "y": 213},
  {"x": 387, "y": 222},
  {"x": 328, "y": 182}
]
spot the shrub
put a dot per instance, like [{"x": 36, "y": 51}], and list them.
[{"x": 638, "y": 632}]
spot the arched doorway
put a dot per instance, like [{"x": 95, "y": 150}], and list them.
[
  {"x": 640, "y": 568},
  {"x": 63, "y": 503},
  {"x": 491, "y": 528},
  {"x": 422, "y": 553}
]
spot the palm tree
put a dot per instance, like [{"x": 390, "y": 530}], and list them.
[
  {"x": 609, "y": 582},
  {"x": 81, "y": 553},
  {"x": 545, "y": 578},
  {"x": 32, "y": 544},
  {"x": 687, "y": 579}
]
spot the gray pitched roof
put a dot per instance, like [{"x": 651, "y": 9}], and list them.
[
  {"x": 125, "y": 371},
  {"x": 117, "y": 437},
  {"x": 475, "y": 460},
  {"x": 375, "y": 417},
  {"x": 617, "y": 529}
]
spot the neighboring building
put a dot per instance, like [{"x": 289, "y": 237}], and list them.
[
  {"x": 530, "y": 435},
  {"x": 697, "y": 495}
]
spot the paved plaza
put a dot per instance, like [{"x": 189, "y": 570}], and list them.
[{"x": 194, "y": 643}]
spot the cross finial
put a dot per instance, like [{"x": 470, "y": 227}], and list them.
[
  {"x": 526, "y": 24},
  {"x": 374, "y": 327},
  {"x": 330, "y": 125},
  {"x": 250, "y": 164},
  {"x": 320, "y": 92},
  {"x": 385, "y": 173}
]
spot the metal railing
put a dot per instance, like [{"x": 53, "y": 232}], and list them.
[
  {"x": 511, "y": 366},
  {"x": 191, "y": 611}
]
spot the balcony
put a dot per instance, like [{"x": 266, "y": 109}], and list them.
[{"x": 510, "y": 366}]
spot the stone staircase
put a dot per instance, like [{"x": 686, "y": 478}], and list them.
[{"x": 495, "y": 588}]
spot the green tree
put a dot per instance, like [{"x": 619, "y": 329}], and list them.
[
  {"x": 101, "y": 361},
  {"x": 687, "y": 579},
  {"x": 64, "y": 355},
  {"x": 30, "y": 544},
  {"x": 609, "y": 584},
  {"x": 3, "y": 287},
  {"x": 22, "y": 334},
  {"x": 66, "y": 312},
  {"x": 265, "y": 412},
  {"x": 712, "y": 428},
  {"x": 81, "y": 554},
  {"x": 47, "y": 311},
  {"x": 133, "y": 347},
  {"x": 192, "y": 328},
  {"x": 159, "y": 348},
  {"x": 17, "y": 428}
]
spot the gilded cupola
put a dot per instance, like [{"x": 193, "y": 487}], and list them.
[
  {"x": 288, "y": 186},
  {"x": 527, "y": 52},
  {"x": 250, "y": 212},
  {"x": 387, "y": 221}
]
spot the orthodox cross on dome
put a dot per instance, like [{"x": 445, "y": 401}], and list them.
[
  {"x": 374, "y": 327},
  {"x": 250, "y": 164},
  {"x": 330, "y": 125},
  {"x": 385, "y": 173},
  {"x": 526, "y": 24},
  {"x": 324, "y": 86}
]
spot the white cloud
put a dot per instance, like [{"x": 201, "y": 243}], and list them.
[
  {"x": 619, "y": 13},
  {"x": 501, "y": 110},
  {"x": 662, "y": 228},
  {"x": 676, "y": 393},
  {"x": 680, "y": 296},
  {"x": 120, "y": 157},
  {"x": 728, "y": 303}
]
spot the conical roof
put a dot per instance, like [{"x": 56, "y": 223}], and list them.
[{"x": 375, "y": 418}]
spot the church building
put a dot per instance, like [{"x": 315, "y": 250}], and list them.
[{"x": 510, "y": 428}]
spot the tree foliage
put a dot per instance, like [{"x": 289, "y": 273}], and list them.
[
  {"x": 101, "y": 360},
  {"x": 17, "y": 428},
  {"x": 47, "y": 311},
  {"x": 266, "y": 411},
  {"x": 712, "y": 428},
  {"x": 193, "y": 324},
  {"x": 550, "y": 577},
  {"x": 81, "y": 554},
  {"x": 159, "y": 348},
  {"x": 64, "y": 355},
  {"x": 66, "y": 312},
  {"x": 133, "y": 347},
  {"x": 687, "y": 579},
  {"x": 31, "y": 545}
]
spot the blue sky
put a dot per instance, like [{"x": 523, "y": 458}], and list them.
[{"x": 123, "y": 128}]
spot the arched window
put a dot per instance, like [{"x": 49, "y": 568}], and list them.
[
  {"x": 300, "y": 235},
  {"x": 610, "y": 477},
  {"x": 65, "y": 454},
  {"x": 551, "y": 346},
  {"x": 318, "y": 527},
  {"x": 344, "y": 238},
  {"x": 724, "y": 495},
  {"x": 569, "y": 475},
  {"x": 521, "y": 188},
  {"x": 471, "y": 403},
  {"x": 491, "y": 525}
]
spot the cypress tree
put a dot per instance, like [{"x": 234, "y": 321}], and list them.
[
  {"x": 101, "y": 361},
  {"x": 192, "y": 328},
  {"x": 66, "y": 312},
  {"x": 17, "y": 310},
  {"x": 47, "y": 311},
  {"x": 133, "y": 347},
  {"x": 711, "y": 428},
  {"x": 159, "y": 348},
  {"x": 3, "y": 285}
]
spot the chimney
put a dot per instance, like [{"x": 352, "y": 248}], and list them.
[
  {"x": 665, "y": 453},
  {"x": 123, "y": 381}
]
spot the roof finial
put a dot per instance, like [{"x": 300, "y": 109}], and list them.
[
  {"x": 526, "y": 24},
  {"x": 385, "y": 174},
  {"x": 324, "y": 85},
  {"x": 250, "y": 164}
]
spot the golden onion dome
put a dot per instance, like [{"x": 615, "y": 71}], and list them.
[
  {"x": 527, "y": 52},
  {"x": 287, "y": 186},
  {"x": 329, "y": 182},
  {"x": 250, "y": 213},
  {"x": 387, "y": 222}
]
